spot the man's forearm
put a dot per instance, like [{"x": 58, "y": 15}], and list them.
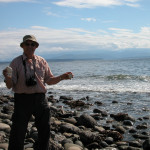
[{"x": 55, "y": 80}]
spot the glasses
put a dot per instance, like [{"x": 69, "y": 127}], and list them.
[{"x": 32, "y": 44}]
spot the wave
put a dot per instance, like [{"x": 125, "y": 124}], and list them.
[
  {"x": 118, "y": 77},
  {"x": 128, "y": 77},
  {"x": 99, "y": 89}
]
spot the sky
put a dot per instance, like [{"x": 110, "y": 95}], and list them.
[{"x": 74, "y": 25}]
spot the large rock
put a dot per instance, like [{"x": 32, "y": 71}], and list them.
[
  {"x": 68, "y": 127},
  {"x": 4, "y": 127},
  {"x": 119, "y": 116},
  {"x": 2, "y": 136},
  {"x": 146, "y": 145},
  {"x": 88, "y": 137},
  {"x": 87, "y": 121},
  {"x": 66, "y": 98},
  {"x": 7, "y": 109},
  {"x": 70, "y": 146},
  {"x": 3, "y": 146},
  {"x": 5, "y": 116},
  {"x": 109, "y": 148},
  {"x": 115, "y": 135}
]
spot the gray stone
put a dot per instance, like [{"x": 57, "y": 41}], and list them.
[
  {"x": 87, "y": 121},
  {"x": 123, "y": 147},
  {"x": 146, "y": 144},
  {"x": 93, "y": 145},
  {"x": 79, "y": 143},
  {"x": 120, "y": 129},
  {"x": 135, "y": 144},
  {"x": 142, "y": 126},
  {"x": 30, "y": 145},
  {"x": 133, "y": 148},
  {"x": 68, "y": 127},
  {"x": 99, "y": 129},
  {"x": 122, "y": 143},
  {"x": 88, "y": 137},
  {"x": 109, "y": 140},
  {"x": 2, "y": 137},
  {"x": 103, "y": 144},
  {"x": 4, "y": 127},
  {"x": 109, "y": 148},
  {"x": 5, "y": 116},
  {"x": 70, "y": 146},
  {"x": 128, "y": 122},
  {"x": 140, "y": 136},
  {"x": 4, "y": 146},
  {"x": 70, "y": 120},
  {"x": 34, "y": 136}
]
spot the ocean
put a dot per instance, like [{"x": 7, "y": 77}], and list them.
[{"x": 124, "y": 81}]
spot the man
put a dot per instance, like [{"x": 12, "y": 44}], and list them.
[{"x": 30, "y": 73}]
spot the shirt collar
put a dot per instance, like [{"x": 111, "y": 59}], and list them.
[{"x": 25, "y": 57}]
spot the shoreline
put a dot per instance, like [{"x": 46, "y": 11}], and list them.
[{"x": 84, "y": 130}]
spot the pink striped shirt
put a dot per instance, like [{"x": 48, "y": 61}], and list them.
[{"x": 42, "y": 71}]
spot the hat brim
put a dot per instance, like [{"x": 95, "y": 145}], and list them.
[{"x": 21, "y": 44}]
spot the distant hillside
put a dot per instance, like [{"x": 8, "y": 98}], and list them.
[{"x": 101, "y": 54}]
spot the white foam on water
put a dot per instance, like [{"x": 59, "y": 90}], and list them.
[{"x": 103, "y": 87}]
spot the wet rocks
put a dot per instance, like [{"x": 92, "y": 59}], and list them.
[{"x": 71, "y": 129}]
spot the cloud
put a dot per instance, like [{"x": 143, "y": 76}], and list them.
[
  {"x": 39, "y": 27},
  {"x": 72, "y": 39},
  {"x": 11, "y": 1},
  {"x": 52, "y": 14},
  {"x": 48, "y": 12},
  {"x": 109, "y": 21},
  {"x": 88, "y": 19},
  {"x": 96, "y": 3}
]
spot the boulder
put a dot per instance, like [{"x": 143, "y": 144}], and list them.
[{"x": 87, "y": 121}]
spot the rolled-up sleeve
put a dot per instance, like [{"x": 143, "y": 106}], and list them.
[{"x": 48, "y": 73}]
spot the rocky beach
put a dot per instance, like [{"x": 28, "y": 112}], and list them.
[{"x": 72, "y": 128}]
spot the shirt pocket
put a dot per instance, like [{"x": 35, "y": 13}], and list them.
[{"x": 40, "y": 73}]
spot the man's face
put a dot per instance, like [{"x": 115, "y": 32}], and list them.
[{"x": 29, "y": 48}]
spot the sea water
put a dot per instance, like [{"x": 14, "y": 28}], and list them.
[{"x": 126, "y": 81}]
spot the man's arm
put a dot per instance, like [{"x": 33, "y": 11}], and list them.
[
  {"x": 55, "y": 80},
  {"x": 8, "y": 79}
]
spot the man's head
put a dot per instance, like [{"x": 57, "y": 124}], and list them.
[
  {"x": 29, "y": 45},
  {"x": 29, "y": 38}
]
